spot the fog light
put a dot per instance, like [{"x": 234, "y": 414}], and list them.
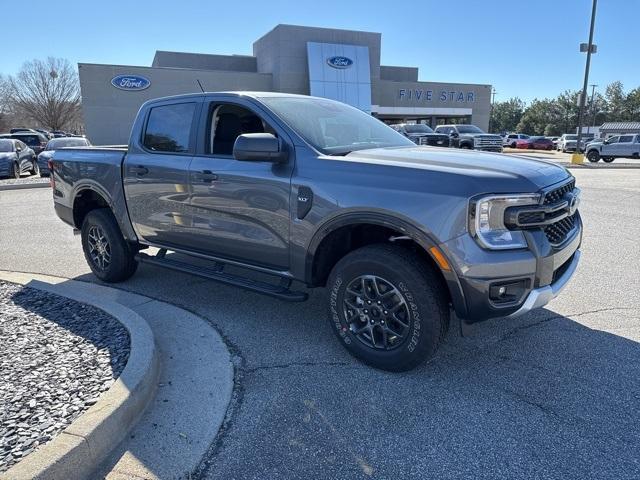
[{"x": 508, "y": 292}]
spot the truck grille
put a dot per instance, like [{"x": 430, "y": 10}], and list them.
[
  {"x": 556, "y": 195},
  {"x": 484, "y": 142},
  {"x": 557, "y": 232}
]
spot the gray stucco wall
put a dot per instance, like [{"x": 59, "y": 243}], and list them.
[
  {"x": 203, "y": 61},
  {"x": 398, "y": 74},
  {"x": 283, "y": 52},
  {"x": 109, "y": 112}
]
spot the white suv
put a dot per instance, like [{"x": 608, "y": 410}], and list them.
[{"x": 510, "y": 139}]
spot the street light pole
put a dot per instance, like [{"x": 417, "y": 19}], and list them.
[
  {"x": 493, "y": 97},
  {"x": 578, "y": 157}
]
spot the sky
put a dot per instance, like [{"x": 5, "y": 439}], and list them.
[{"x": 524, "y": 49}]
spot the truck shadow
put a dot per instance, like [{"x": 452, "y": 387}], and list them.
[{"x": 543, "y": 394}]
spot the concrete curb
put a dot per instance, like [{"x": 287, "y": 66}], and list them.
[
  {"x": 87, "y": 442},
  {"x": 610, "y": 166},
  {"x": 24, "y": 186}
]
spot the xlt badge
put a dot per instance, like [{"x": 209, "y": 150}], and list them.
[{"x": 305, "y": 201}]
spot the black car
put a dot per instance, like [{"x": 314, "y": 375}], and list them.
[
  {"x": 35, "y": 140},
  {"x": 421, "y": 134},
  {"x": 16, "y": 158}
]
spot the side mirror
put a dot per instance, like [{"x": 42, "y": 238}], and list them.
[
  {"x": 18, "y": 149},
  {"x": 454, "y": 135},
  {"x": 259, "y": 147}
]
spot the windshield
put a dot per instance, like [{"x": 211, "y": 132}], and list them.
[
  {"x": 334, "y": 128},
  {"x": 571, "y": 137},
  {"x": 6, "y": 146},
  {"x": 67, "y": 142},
  {"x": 468, "y": 129},
  {"x": 418, "y": 128}
]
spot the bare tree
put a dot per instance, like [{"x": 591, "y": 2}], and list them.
[
  {"x": 5, "y": 104},
  {"x": 48, "y": 92}
]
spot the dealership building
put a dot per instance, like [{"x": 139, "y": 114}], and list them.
[{"x": 339, "y": 64}]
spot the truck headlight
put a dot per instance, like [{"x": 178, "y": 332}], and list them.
[{"x": 486, "y": 220}]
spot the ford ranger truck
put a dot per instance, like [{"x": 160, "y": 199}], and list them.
[{"x": 301, "y": 191}]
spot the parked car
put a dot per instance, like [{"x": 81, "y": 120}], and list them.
[
  {"x": 422, "y": 134},
  {"x": 44, "y": 132},
  {"x": 620, "y": 146},
  {"x": 56, "y": 144},
  {"x": 59, "y": 133},
  {"x": 510, "y": 139},
  {"x": 471, "y": 137},
  {"x": 22, "y": 129},
  {"x": 35, "y": 140},
  {"x": 540, "y": 143},
  {"x": 399, "y": 235},
  {"x": 567, "y": 142},
  {"x": 16, "y": 158}
]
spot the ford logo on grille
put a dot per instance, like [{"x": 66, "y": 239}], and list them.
[
  {"x": 339, "y": 62},
  {"x": 130, "y": 82}
]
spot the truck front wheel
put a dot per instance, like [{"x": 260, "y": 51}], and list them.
[
  {"x": 387, "y": 307},
  {"x": 110, "y": 256},
  {"x": 593, "y": 156}
]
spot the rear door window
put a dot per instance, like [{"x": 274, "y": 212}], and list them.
[
  {"x": 169, "y": 128},
  {"x": 626, "y": 139}
]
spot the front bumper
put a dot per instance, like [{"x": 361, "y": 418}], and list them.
[
  {"x": 543, "y": 295},
  {"x": 543, "y": 270},
  {"x": 488, "y": 149}
]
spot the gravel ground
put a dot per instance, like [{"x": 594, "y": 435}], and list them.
[
  {"x": 56, "y": 357},
  {"x": 24, "y": 180}
]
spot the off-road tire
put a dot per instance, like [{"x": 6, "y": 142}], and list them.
[
  {"x": 122, "y": 263},
  {"x": 422, "y": 290}
]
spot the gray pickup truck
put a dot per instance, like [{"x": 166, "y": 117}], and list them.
[{"x": 289, "y": 188}]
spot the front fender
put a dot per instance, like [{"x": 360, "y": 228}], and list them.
[{"x": 421, "y": 236}]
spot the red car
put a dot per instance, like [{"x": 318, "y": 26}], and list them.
[{"x": 535, "y": 143}]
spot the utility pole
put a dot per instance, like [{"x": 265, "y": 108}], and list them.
[
  {"x": 493, "y": 98},
  {"x": 593, "y": 104},
  {"x": 577, "y": 156}
]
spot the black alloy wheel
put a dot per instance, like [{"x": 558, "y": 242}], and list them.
[
  {"x": 376, "y": 311},
  {"x": 593, "y": 156},
  {"x": 99, "y": 248}
]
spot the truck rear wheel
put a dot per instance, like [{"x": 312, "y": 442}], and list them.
[
  {"x": 608, "y": 159},
  {"x": 110, "y": 256},
  {"x": 387, "y": 307}
]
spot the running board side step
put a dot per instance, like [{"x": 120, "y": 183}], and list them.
[{"x": 217, "y": 274}]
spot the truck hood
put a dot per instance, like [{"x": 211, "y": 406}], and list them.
[{"x": 484, "y": 168}]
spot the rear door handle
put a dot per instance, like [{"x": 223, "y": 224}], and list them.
[
  {"x": 139, "y": 170},
  {"x": 207, "y": 176}
]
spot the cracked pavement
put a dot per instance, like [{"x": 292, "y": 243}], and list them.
[{"x": 554, "y": 394}]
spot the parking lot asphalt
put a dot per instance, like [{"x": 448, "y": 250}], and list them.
[{"x": 554, "y": 394}]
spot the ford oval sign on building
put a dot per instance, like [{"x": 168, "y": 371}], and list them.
[
  {"x": 130, "y": 82},
  {"x": 339, "y": 62}
]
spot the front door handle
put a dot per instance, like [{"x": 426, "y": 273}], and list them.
[
  {"x": 207, "y": 176},
  {"x": 139, "y": 170}
]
